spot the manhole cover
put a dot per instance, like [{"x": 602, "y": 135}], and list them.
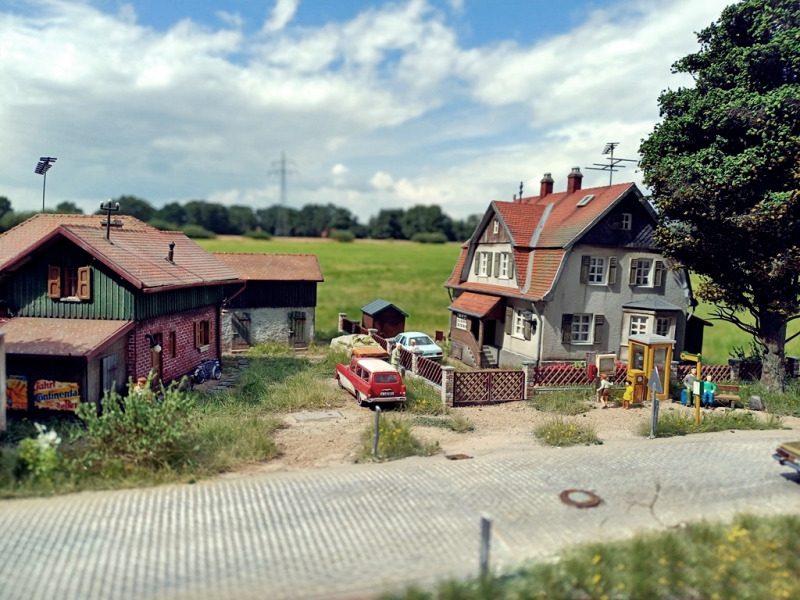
[{"x": 580, "y": 498}]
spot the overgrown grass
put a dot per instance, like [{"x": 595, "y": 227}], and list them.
[
  {"x": 562, "y": 402},
  {"x": 422, "y": 398},
  {"x": 557, "y": 431},
  {"x": 454, "y": 421},
  {"x": 674, "y": 423},
  {"x": 753, "y": 557},
  {"x": 395, "y": 440},
  {"x": 785, "y": 404}
]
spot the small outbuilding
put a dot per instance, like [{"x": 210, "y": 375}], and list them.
[{"x": 383, "y": 316}]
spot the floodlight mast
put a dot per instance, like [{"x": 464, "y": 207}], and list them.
[{"x": 42, "y": 167}]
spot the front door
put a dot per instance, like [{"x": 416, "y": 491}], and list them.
[{"x": 298, "y": 334}]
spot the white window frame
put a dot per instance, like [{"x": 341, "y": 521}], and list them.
[
  {"x": 462, "y": 322},
  {"x": 644, "y": 272},
  {"x": 484, "y": 269},
  {"x": 638, "y": 325},
  {"x": 627, "y": 221},
  {"x": 597, "y": 270},
  {"x": 519, "y": 324},
  {"x": 581, "y": 332},
  {"x": 505, "y": 261},
  {"x": 495, "y": 227},
  {"x": 663, "y": 326}
]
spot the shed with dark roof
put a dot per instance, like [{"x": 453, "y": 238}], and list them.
[{"x": 385, "y": 317}]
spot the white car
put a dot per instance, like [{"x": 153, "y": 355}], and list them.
[{"x": 427, "y": 347}]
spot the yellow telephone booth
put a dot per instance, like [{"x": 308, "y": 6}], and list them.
[{"x": 646, "y": 351}]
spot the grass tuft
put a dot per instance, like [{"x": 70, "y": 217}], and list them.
[
  {"x": 675, "y": 423},
  {"x": 561, "y": 432},
  {"x": 395, "y": 440},
  {"x": 562, "y": 402}
]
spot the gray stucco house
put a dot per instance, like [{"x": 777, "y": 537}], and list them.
[
  {"x": 562, "y": 276},
  {"x": 277, "y": 302}
]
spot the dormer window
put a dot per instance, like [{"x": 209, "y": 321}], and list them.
[
  {"x": 495, "y": 227},
  {"x": 69, "y": 283},
  {"x": 586, "y": 199}
]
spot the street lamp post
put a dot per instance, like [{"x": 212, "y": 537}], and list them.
[{"x": 43, "y": 166}]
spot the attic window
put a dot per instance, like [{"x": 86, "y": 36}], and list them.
[
  {"x": 495, "y": 227},
  {"x": 586, "y": 199}
]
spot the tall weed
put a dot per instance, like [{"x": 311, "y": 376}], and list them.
[{"x": 395, "y": 440}]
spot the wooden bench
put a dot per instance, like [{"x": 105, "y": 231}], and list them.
[{"x": 728, "y": 393}]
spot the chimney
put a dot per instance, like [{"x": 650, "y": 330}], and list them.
[
  {"x": 547, "y": 185},
  {"x": 574, "y": 180},
  {"x": 171, "y": 254}
]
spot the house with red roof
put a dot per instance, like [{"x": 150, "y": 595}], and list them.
[
  {"x": 566, "y": 276},
  {"x": 86, "y": 304},
  {"x": 277, "y": 303}
]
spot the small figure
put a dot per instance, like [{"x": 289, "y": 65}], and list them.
[
  {"x": 627, "y": 397},
  {"x": 709, "y": 389},
  {"x": 140, "y": 386},
  {"x": 688, "y": 383},
  {"x": 395, "y": 359},
  {"x": 414, "y": 348},
  {"x": 604, "y": 390}
]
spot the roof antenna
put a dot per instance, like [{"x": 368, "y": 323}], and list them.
[
  {"x": 520, "y": 193},
  {"x": 613, "y": 163},
  {"x": 109, "y": 210}
]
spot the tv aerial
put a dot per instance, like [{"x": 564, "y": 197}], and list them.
[{"x": 613, "y": 163}]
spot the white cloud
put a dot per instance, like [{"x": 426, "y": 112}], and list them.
[
  {"x": 383, "y": 110},
  {"x": 282, "y": 13}
]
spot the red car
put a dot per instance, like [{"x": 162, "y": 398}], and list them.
[{"x": 371, "y": 380}]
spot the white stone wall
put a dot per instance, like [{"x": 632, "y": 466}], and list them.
[{"x": 267, "y": 325}]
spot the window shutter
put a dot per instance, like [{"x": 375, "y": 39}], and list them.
[
  {"x": 509, "y": 320},
  {"x": 599, "y": 321},
  {"x": 54, "y": 282},
  {"x": 612, "y": 270},
  {"x": 566, "y": 328},
  {"x": 632, "y": 274},
  {"x": 585, "y": 261},
  {"x": 512, "y": 266},
  {"x": 85, "y": 283},
  {"x": 659, "y": 271},
  {"x": 527, "y": 330},
  {"x": 497, "y": 264},
  {"x": 477, "y": 263},
  {"x": 489, "y": 260},
  {"x": 196, "y": 335}
]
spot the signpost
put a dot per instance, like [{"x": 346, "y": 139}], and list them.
[
  {"x": 654, "y": 384},
  {"x": 696, "y": 358}
]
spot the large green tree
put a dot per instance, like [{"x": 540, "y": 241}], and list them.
[{"x": 724, "y": 168}]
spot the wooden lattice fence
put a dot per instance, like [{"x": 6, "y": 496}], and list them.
[{"x": 487, "y": 387}]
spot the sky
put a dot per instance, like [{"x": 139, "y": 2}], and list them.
[{"x": 364, "y": 104}]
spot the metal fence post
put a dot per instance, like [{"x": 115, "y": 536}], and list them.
[
  {"x": 377, "y": 431},
  {"x": 486, "y": 540}
]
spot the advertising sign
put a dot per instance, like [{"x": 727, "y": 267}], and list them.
[
  {"x": 56, "y": 395},
  {"x": 17, "y": 392}
]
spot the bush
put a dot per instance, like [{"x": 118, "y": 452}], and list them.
[
  {"x": 430, "y": 238},
  {"x": 342, "y": 235},
  {"x": 198, "y": 232},
  {"x": 257, "y": 235},
  {"x": 140, "y": 429},
  {"x": 39, "y": 457}
]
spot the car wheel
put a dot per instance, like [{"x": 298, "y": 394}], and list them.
[
  {"x": 217, "y": 373},
  {"x": 361, "y": 399},
  {"x": 199, "y": 378},
  {"x": 339, "y": 381}
]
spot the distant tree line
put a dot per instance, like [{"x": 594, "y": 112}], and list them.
[{"x": 199, "y": 218}]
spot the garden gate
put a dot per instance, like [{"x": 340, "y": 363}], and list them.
[{"x": 486, "y": 387}]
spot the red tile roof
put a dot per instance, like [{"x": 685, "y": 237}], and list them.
[
  {"x": 273, "y": 267},
  {"x": 542, "y": 229},
  {"x": 61, "y": 337},
  {"x": 477, "y": 305},
  {"x": 137, "y": 252}
]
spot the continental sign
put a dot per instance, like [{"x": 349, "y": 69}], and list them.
[{"x": 56, "y": 395}]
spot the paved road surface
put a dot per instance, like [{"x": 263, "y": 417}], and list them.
[{"x": 353, "y": 531}]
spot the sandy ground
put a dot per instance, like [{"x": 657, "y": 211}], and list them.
[{"x": 321, "y": 439}]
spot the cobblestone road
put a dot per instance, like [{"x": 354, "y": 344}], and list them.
[{"x": 353, "y": 531}]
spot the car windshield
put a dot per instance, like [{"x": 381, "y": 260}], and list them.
[
  {"x": 423, "y": 340},
  {"x": 385, "y": 377}
]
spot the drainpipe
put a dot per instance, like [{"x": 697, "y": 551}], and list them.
[{"x": 539, "y": 331}]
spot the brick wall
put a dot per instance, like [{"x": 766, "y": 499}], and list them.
[{"x": 186, "y": 357}]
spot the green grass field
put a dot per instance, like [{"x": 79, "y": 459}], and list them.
[{"x": 411, "y": 276}]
